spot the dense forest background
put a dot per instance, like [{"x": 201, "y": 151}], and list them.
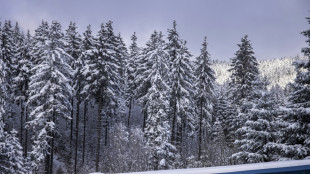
[{"x": 81, "y": 102}]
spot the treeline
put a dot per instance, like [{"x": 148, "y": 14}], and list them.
[
  {"x": 278, "y": 71},
  {"x": 89, "y": 103}
]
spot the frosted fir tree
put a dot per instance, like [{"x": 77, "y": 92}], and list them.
[
  {"x": 181, "y": 87},
  {"x": 39, "y": 39},
  {"x": 108, "y": 46},
  {"x": 49, "y": 91},
  {"x": 102, "y": 77},
  {"x": 11, "y": 152},
  {"x": 73, "y": 48},
  {"x": 156, "y": 103},
  {"x": 9, "y": 49},
  {"x": 131, "y": 68},
  {"x": 73, "y": 39},
  {"x": 21, "y": 82},
  {"x": 220, "y": 144},
  {"x": 296, "y": 135},
  {"x": 204, "y": 90},
  {"x": 122, "y": 57},
  {"x": 244, "y": 73},
  {"x": 8, "y": 53},
  {"x": 257, "y": 132},
  {"x": 15, "y": 160},
  {"x": 174, "y": 43},
  {"x": 87, "y": 47}
]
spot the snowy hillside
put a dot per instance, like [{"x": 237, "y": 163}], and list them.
[{"x": 278, "y": 71}]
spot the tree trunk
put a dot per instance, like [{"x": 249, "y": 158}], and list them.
[
  {"x": 22, "y": 113},
  {"x": 77, "y": 133},
  {"x": 84, "y": 131},
  {"x": 144, "y": 120},
  {"x": 26, "y": 134},
  {"x": 106, "y": 131},
  {"x": 52, "y": 145},
  {"x": 52, "y": 154},
  {"x": 129, "y": 112},
  {"x": 173, "y": 124},
  {"x": 200, "y": 131},
  {"x": 71, "y": 129},
  {"x": 47, "y": 161},
  {"x": 100, "y": 105}
]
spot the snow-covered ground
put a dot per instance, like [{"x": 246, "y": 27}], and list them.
[{"x": 233, "y": 168}]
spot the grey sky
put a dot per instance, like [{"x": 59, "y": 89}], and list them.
[{"x": 273, "y": 26}]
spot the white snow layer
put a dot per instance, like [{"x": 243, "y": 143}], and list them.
[{"x": 232, "y": 168}]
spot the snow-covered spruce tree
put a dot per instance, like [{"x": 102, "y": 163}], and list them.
[
  {"x": 130, "y": 74},
  {"x": 157, "y": 129},
  {"x": 40, "y": 36},
  {"x": 73, "y": 48},
  {"x": 11, "y": 153},
  {"x": 102, "y": 76},
  {"x": 181, "y": 83},
  {"x": 243, "y": 81},
  {"x": 88, "y": 45},
  {"x": 257, "y": 132},
  {"x": 296, "y": 135},
  {"x": 225, "y": 113},
  {"x": 141, "y": 75},
  {"x": 204, "y": 90},
  {"x": 50, "y": 92},
  {"x": 174, "y": 43},
  {"x": 8, "y": 48},
  {"x": 121, "y": 59},
  {"x": 220, "y": 156},
  {"x": 21, "y": 82},
  {"x": 14, "y": 151},
  {"x": 244, "y": 73}
]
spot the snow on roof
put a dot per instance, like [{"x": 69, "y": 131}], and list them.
[{"x": 232, "y": 168}]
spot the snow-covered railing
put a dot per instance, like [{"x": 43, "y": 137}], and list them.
[{"x": 279, "y": 167}]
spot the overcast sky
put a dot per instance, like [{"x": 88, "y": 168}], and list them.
[{"x": 273, "y": 26}]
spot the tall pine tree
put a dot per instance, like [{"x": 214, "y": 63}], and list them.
[
  {"x": 181, "y": 87},
  {"x": 156, "y": 105},
  {"x": 296, "y": 135},
  {"x": 204, "y": 90},
  {"x": 130, "y": 74},
  {"x": 50, "y": 91},
  {"x": 244, "y": 72}
]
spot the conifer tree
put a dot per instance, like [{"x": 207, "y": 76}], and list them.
[
  {"x": 244, "y": 72},
  {"x": 88, "y": 45},
  {"x": 181, "y": 87},
  {"x": 73, "y": 48},
  {"x": 130, "y": 74},
  {"x": 11, "y": 153},
  {"x": 21, "y": 81},
  {"x": 102, "y": 75},
  {"x": 7, "y": 47},
  {"x": 121, "y": 59},
  {"x": 50, "y": 91},
  {"x": 225, "y": 113},
  {"x": 8, "y": 57},
  {"x": 204, "y": 86},
  {"x": 257, "y": 132},
  {"x": 296, "y": 134},
  {"x": 156, "y": 105}
]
